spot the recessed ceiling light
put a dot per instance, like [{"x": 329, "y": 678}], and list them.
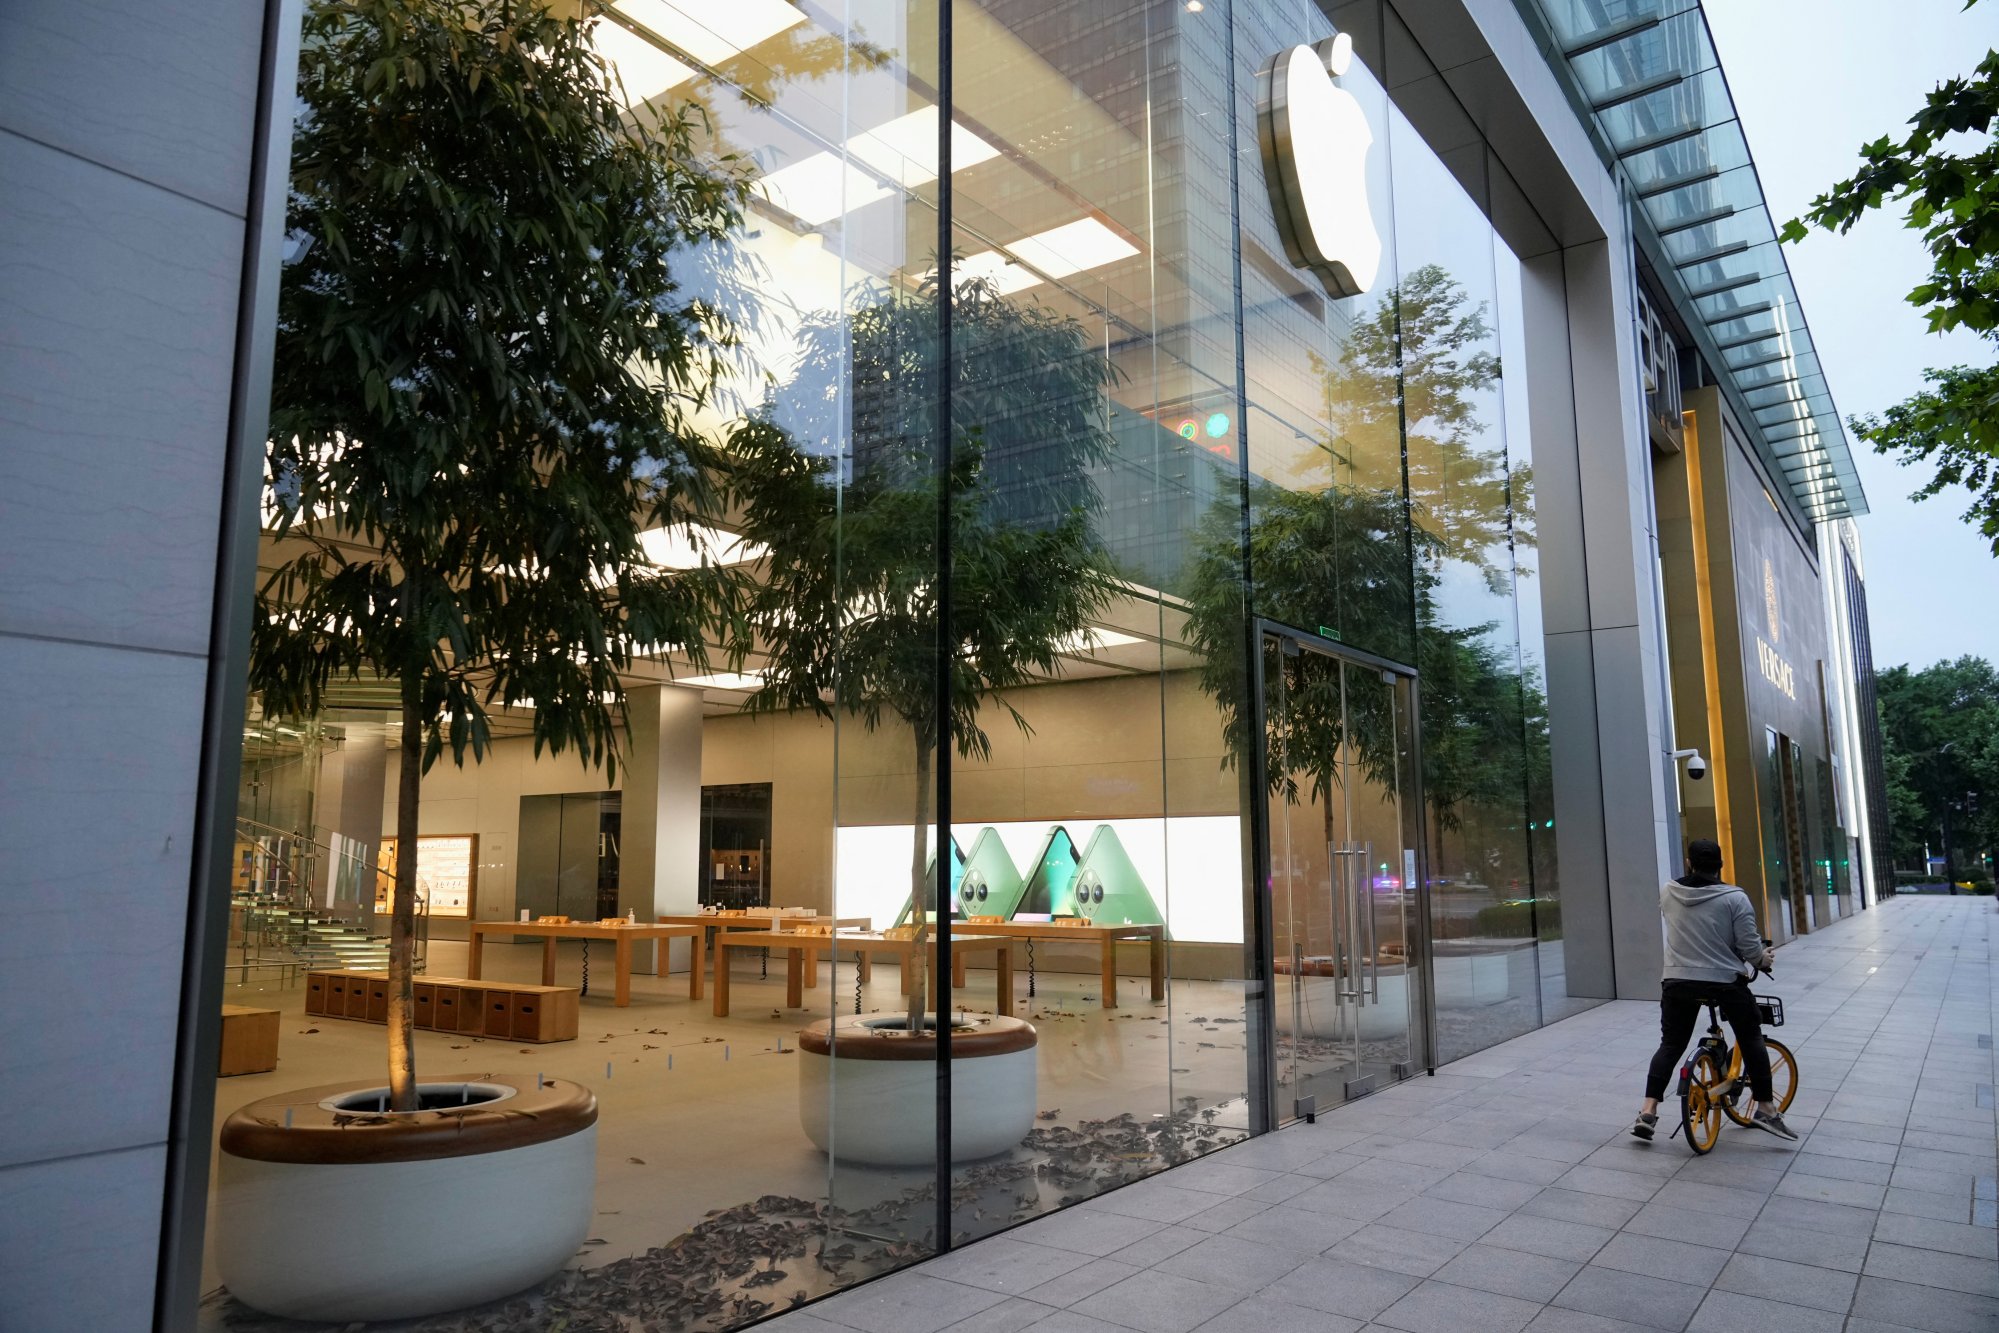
[
  {"x": 683, "y": 547},
  {"x": 724, "y": 680},
  {"x": 821, "y": 187},
  {"x": 643, "y": 69},
  {"x": 1070, "y": 248},
  {"x": 725, "y": 28},
  {"x": 1094, "y": 640}
]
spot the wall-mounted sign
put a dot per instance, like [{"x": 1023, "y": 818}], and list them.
[
  {"x": 1775, "y": 669},
  {"x": 447, "y": 873},
  {"x": 1315, "y": 139}
]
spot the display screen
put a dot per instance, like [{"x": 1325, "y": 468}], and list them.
[{"x": 447, "y": 868}]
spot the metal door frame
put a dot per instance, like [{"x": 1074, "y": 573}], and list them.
[{"x": 1264, "y": 1115}]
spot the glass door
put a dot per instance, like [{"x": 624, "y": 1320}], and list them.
[{"x": 1344, "y": 883}]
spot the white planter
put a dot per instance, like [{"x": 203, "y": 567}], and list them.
[
  {"x": 395, "y": 1230},
  {"x": 1471, "y": 980},
  {"x": 872, "y": 1103}
]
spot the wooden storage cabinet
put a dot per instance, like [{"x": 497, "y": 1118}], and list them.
[{"x": 506, "y": 1010}]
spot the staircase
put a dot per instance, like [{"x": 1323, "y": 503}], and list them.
[{"x": 279, "y": 926}]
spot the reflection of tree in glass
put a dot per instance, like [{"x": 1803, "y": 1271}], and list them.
[
  {"x": 1334, "y": 555},
  {"x": 848, "y": 613},
  {"x": 1419, "y": 361}
]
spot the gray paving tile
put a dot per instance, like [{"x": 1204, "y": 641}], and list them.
[
  {"x": 1441, "y": 1217},
  {"x": 1486, "y": 1191},
  {"x": 1789, "y": 1283},
  {"x": 1406, "y": 1177},
  {"x": 1928, "y": 1308},
  {"x": 1598, "y": 1210},
  {"x": 1086, "y": 1231},
  {"x": 1634, "y": 1297},
  {"x": 803, "y": 1321},
  {"x": 1068, "y": 1321},
  {"x": 1004, "y": 1264},
  {"x": 1932, "y": 1268},
  {"x": 1711, "y": 1198},
  {"x": 1280, "y": 1188},
  {"x": 1508, "y": 1166},
  {"x": 1088, "y": 1280},
  {"x": 1158, "y": 1247},
  {"x": 1554, "y": 1319},
  {"x": 1852, "y": 1193},
  {"x": 1220, "y": 1177},
  {"x": 1296, "y": 1229},
  {"x": 1225, "y": 1214},
  {"x": 1672, "y": 1222},
  {"x": 1531, "y": 1277},
  {"x": 906, "y": 1303},
  {"x": 1813, "y": 1215},
  {"x": 1616, "y": 1184},
  {"x": 1261, "y": 1314},
  {"x": 1828, "y": 1144},
  {"x": 1674, "y": 1260},
  {"x": 1232, "y": 1261},
  {"x": 1154, "y": 1200},
  {"x": 1819, "y": 1248},
  {"x": 1732, "y": 1312},
  {"x": 1439, "y": 1307},
  {"x": 1638, "y": 1157},
  {"x": 1411, "y": 1252},
  {"x": 1009, "y": 1316},
  {"x": 1936, "y": 1182},
  {"x": 1549, "y": 1236},
  {"x": 1159, "y": 1302},
  {"x": 1342, "y": 1288},
  {"x": 1733, "y": 1172},
  {"x": 1933, "y": 1234},
  {"x": 1969, "y": 1144},
  {"x": 1361, "y": 1202},
  {"x": 1428, "y": 1152},
  {"x": 1841, "y": 1168}
]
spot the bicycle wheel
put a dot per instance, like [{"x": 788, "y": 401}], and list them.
[
  {"x": 1701, "y": 1103},
  {"x": 1783, "y": 1083}
]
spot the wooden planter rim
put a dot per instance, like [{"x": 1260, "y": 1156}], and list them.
[
  {"x": 997, "y": 1035},
  {"x": 316, "y": 1135}
]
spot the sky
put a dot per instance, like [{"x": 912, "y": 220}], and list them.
[{"x": 1813, "y": 80}]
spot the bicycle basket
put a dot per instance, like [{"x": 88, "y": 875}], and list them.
[{"x": 1770, "y": 1010}]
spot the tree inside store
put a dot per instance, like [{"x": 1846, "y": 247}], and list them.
[
  {"x": 485, "y": 375},
  {"x": 849, "y": 612}
]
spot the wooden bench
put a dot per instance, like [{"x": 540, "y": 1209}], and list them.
[{"x": 505, "y": 1010}]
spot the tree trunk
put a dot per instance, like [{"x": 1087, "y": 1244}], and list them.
[
  {"x": 402, "y": 917},
  {"x": 919, "y": 888}
]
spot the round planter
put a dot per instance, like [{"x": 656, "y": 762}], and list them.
[
  {"x": 867, "y": 1089},
  {"x": 345, "y": 1214}
]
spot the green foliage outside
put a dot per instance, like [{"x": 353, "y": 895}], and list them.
[
  {"x": 1940, "y": 750},
  {"x": 484, "y": 372},
  {"x": 1945, "y": 169}
]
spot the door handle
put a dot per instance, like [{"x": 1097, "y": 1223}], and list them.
[{"x": 1363, "y": 885}]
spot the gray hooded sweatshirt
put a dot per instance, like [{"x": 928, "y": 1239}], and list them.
[{"x": 1711, "y": 932}]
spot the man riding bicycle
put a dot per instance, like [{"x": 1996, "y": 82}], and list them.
[{"x": 1713, "y": 947}]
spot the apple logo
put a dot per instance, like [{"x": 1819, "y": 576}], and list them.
[{"x": 1315, "y": 141}]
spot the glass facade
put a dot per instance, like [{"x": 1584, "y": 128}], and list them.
[{"x": 1233, "y": 797}]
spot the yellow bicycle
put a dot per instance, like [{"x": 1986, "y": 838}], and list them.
[{"x": 1713, "y": 1084}]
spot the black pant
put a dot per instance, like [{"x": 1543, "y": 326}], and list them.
[{"x": 1680, "y": 1004}]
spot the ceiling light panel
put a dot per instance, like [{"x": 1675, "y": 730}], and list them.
[
  {"x": 684, "y": 547},
  {"x": 644, "y": 69},
  {"x": 905, "y": 149},
  {"x": 724, "y": 680},
  {"x": 1071, "y": 248},
  {"x": 723, "y": 29},
  {"x": 822, "y": 187}
]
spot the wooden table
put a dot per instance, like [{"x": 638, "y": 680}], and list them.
[
  {"x": 622, "y": 936},
  {"x": 714, "y": 923},
  {"x": 1104, "y": 937},
  {"x": 798, "y": 947}
]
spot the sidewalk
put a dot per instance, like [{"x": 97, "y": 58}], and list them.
[{"x": 1505, "y": 1194}]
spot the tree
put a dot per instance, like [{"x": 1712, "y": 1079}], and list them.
[
  {"x": 1333, "y": 553},
  {"x": 1940, "y": 743},
  {"x": 848, "y": 612},
  {"x": 484, "y": 368},
  {"x": 1951, "y": 186}
]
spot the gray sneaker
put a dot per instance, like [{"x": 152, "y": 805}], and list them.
[
  {"x": 1772, "y": 1122},
  {"x": 1642, "y": 1127}
]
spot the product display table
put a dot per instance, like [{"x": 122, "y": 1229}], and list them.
[
  {"x": 621, "y": 935},
  {"x": 1105, "y": 938},
  {"x": 714, "y": 923},
  {"x": 799, "y": 946}
]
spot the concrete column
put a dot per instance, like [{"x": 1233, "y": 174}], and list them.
[
  {"x": 1592, "y": 468},
  {"x": 349, "y": 801},
  {"x": 659, "y": 865}
]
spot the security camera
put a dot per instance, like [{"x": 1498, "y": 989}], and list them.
[{"x": 1696, "y": 768}]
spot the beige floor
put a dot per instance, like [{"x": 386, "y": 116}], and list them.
[{"x": 700, "y": 1113}]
